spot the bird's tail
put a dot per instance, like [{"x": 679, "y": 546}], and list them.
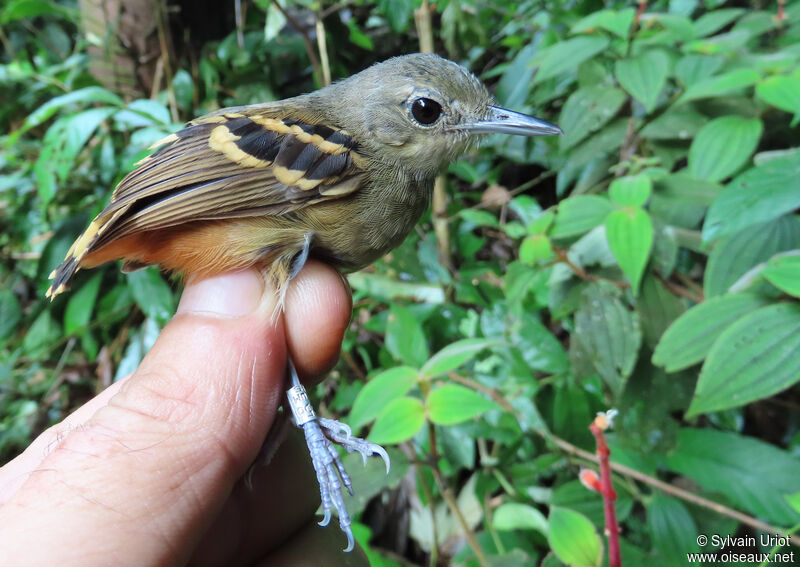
[{"x": 86, "y": 243}]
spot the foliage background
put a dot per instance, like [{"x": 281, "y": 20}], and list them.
[{"x": 647, "y": 261}]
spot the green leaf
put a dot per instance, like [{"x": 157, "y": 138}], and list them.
[
  {"x": 723, "y": 463},
  {"x": 515, "y": 84},
  {"x": 567, "y": 55},
  {"x": 379, "y": 392},
  {"x": 609, "y": 333},
  {"x": 452, "y": 356},
  {"x": 586, "y": 111},
  {"x": 580, "y": 214},
  {"x": 536, "y": 248},
  {"x": 398, "y": 422},
  {"x": 385, "y": 288},
  {"x": 672, "y": 528},
  {"x": 784, "y": 273},
  {"x": 733, "y": 256},
  {"x": 512, "y": 516},
  {"x": 681, "y": 123},
  {"x": 152, "y": 294},
  {"x": 715, "y": 20},
  {"x": 760, "y": 194},
  {"x": 20, "y": 9},
  {"x": 630, "y": 237},
  {"x": 539, "y": 347},
  {"x": 617, "y": 22},
  {"x": 10, "y": 312},
  {"x": 397, "y": 12},
  {"x": 86, "y": 95},
  {"x": 720, "y": 85},
  {"x": 405, "y": 338},
  {"x": 644, "y": 76},
  {"x": 694, "y": 68},
  {"x": 781, "y": 92},
  {"x": 452, "y": 403},
  {"x": 183, "y": 86},
  {"x": 689, "y": 338},
  {"x": 41, "y": 335},
  {"x": 752, "y": 359},
  {"x": 723, "y": 146},
  {"x": 573, "y": 538},
  {"x": 80, "y": 305},
  {"x": 630, "y": 191}
]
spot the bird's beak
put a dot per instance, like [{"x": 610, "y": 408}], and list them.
[{"x": 502, "y": 121}]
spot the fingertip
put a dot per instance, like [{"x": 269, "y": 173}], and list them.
[{"x": 317, "y": 312}]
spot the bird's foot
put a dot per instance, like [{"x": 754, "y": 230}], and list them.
[{"x": 320, "y": 434}]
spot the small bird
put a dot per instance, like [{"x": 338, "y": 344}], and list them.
[{"x": 341, "y": 174}]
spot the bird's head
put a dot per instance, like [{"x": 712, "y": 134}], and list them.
[{"x": 420, "y": 112}]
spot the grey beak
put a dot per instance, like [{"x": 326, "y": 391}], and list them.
[{"x": 502, "y": 121}]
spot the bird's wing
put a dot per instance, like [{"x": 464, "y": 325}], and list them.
[
  {"x": 234, "y": 164},
  {"x": 241, "y": 162}
]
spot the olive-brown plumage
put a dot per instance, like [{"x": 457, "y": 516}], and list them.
[{"x": 343, "y": 173}]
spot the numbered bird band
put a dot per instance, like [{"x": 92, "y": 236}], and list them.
[{"x": 301, "y": 405}]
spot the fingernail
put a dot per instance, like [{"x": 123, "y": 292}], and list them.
[{"x": 230, "y": 295}]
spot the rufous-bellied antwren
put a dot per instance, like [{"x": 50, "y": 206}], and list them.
[{"x": 341, "y": 174}]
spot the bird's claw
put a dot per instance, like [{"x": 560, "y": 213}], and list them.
[{"x": 341, "y": 434}]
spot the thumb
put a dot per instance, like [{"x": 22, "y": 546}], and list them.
[{"x": 165, "y": 451}]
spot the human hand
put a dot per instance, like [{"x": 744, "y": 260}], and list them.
[{"x": 147, "y": 472}]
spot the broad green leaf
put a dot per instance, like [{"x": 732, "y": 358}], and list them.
[
  {"x": 397, "y": 12},
  {"x": 630, "y": 191},
  {"x": 687, "y": 190},
  {"x": 724, "y": 463},
  {"x": 567, "y": 55},
  {"x": 630, "y": 237},
  {"x": 657, "y": 308},
  {"x": 41, "y": 335},
  {"x": 586, "y": 111},
  {"x": 405, "y": 338},
  {"x": 573, "y": 538},
  {"x": 609, "y": 333},
  {"x": 379, "y": 392},
  {"x": 574, "y": 495},
  {"x": 452, "y": 403},
  {"x": 579, "y": 214},
  {"x": 727, "y": 83},
  {"x": 723, "y": 146},
  {"x": 21, "y": 9},
  {"x": 694, "y": 68},
  {"x": 734, "y": 256},
  {"x": 617, "y": 22},
  {"x": 681, "y": 123},
  {"x": 752, "y": 359},
  {"x": 515, "y": 84},
  {"x": 644, "y": 76},
  {"x": 688, "y": 339},
  {"x": 10, "y": 312},
  {"x": 452, "y": 356},
  {"x": 152, "y": 294},
  {"x": 760, "y": 194},
  {"x": 539, "y": 347},
  {"x": 784, "y": 273},
  {"x": 80, "y": 305},
  {"x": 398, "y": 422},
  {"x": 86, "y": 95},
  {"x": 535, "y": 248},
  {"x": 715, "y": 20},
  {"x": 781, "y": 91},
  {"x": 513, "y": 516},
  {"x": 672, "y": 528}
]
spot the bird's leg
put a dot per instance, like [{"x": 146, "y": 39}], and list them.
[
  {"x": 331, "y": 474},
  {"x": 320, "y": 434}
]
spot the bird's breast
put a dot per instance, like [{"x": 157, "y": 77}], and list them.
[{"x": 354, "y": 232}]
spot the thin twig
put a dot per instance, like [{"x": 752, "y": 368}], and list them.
[
  {"x": 165, "y": 56},
  {"x": 322, "y": 45},
  {"x": 678, "y": 290},
  {"x": 450, "y": 499},
  {"x": 562, "y": 256},
  {"x": 312, "y": 56}
]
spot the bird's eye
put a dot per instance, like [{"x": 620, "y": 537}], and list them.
[{"x": 426, "y": 111}]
